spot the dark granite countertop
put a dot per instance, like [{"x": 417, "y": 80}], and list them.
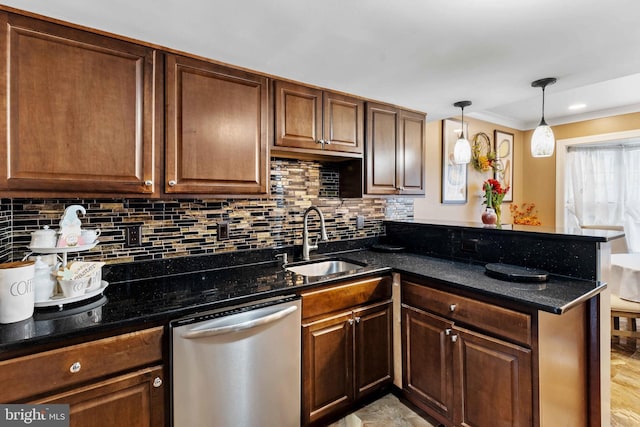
[
  {"x": 564, "y": 233},
  {"x": 154, "y": 301},
  {"x": 556, "y": 295}
]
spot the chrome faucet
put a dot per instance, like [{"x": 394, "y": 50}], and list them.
[{"x": 306, "y": 247}]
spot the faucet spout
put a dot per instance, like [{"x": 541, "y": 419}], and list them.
[{"x": 306, "y": 246}]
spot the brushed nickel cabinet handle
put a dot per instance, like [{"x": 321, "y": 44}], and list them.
[
  {"x": 75, "y": 368},
  {"x": 452, "y": 307},
  {"x": 157, "y": 382},
  {"x": 454, "y": 338},
  {"x": 172, "y": 183}
]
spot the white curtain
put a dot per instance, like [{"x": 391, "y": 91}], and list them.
[
  {"x": 632, "y": 198},
  {"x": 603, "y": 188}
]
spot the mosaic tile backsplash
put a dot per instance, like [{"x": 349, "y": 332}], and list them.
[{"x": 177, "y": 228}]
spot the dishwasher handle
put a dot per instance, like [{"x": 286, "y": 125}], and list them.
[{"x": 237, "y": 327}]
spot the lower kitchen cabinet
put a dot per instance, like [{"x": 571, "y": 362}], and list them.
[
  {"x": 493, "y": 379},
  {"x": 135, "y": 399},
  {"x": 466, "y": 377},
  {"x": 346, "y": 346},
  {"x": 327, "y": 366},
  {"x": 107, "y": 382},
  {"x": 428, "y": 360},
  {"x": 468, "y": 362}
]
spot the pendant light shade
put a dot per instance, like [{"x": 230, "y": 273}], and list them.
[
  {"x": 462, "y": 148},
  {"x": 543, "y": 140}
]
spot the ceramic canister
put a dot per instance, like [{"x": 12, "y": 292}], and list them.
[{"x": 16, "y": 291}]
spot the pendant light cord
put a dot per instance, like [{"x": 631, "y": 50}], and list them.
[{"x": 543, "y": 122}]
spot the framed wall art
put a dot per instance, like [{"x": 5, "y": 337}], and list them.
[
  {"x": 504, "y": 155},
  {"x": 454, "y": 176}
]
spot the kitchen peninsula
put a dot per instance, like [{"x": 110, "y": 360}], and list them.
[{"x": 552, "y": 331}]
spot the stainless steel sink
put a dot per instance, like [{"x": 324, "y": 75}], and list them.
[{"x": 323, "y": 268}]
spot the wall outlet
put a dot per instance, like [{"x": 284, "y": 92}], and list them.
[
  {"x": 359, "y": 222},
  {"x": 132, "y": 236},
  {"x": 469, "y": 246},
  {"x": 223, "y": 230}
]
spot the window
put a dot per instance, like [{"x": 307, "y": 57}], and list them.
[{"x": 603, "y": 187}]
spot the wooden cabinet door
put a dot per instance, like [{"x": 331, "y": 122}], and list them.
[
  {"x": 298, "y": 116},
  {"x": 327, "y": 355},
  {"x": 216, "y": 129},
  {"x": 493, "y": 381},
  {"x": 374, "y": 347},
  {"x": 411, "y": 153},
  {"x": 78, "y": 111},
  {"x": 427, "y": 377},
  {"x": 343, "y": 118},
  {"x": 382, "y": 141},
  {"x": 134, "y": 400}
]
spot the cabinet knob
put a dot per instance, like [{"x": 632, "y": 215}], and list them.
[
  {"x": 447, "y": 331},
  {"x": 350, "y": 321},
  {"x": 148, "y": 183},
  {"x": 357, "y": 320},
  {"x": 172, "y": 183},
  {"x": 320, "y": 141},
  {"x": 454, "y": 338},
  {"x": 157, "y": 382},
  {"x": 400, "y": 188},
  {"x": 327, "y": 141},
  {"x": 452, "y": 307},
  {"x": 75, "y": 368}
]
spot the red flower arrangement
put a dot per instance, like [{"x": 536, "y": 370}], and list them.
[{"x": 493, "y": 195}]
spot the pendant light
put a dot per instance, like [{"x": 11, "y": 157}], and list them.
[
  {"x": 542, "y": 140},
  {"x": 462, "y": 149}
]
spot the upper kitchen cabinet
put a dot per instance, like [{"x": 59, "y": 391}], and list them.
[
  {"x": 395, "y": 151},
  {"x": 312, "y": 122},
  {"x": 77, "y": 111},
  {"x": 217, "y": 127}
]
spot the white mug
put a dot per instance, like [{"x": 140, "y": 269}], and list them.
[
  {"x": 16, "y": 291},
  {"x": 73, "y": 287},
  {"x": 89, "y": 236}
]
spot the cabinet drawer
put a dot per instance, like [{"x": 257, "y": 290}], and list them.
[
  {"x": 55, "y": 369},
  {"x": 345, "y": 295},
  {"x": 499, "y": 321}
]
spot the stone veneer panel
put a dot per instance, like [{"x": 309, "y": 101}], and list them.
[{"x": 174, "y": 228}]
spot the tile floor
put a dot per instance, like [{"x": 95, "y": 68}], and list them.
[{"x": 388, "y": 411}]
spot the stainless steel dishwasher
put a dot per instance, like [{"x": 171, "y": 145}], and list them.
[{"x": 238, "y": 366}]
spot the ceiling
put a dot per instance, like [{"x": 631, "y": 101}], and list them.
[{"x": 421, "y": 54}]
